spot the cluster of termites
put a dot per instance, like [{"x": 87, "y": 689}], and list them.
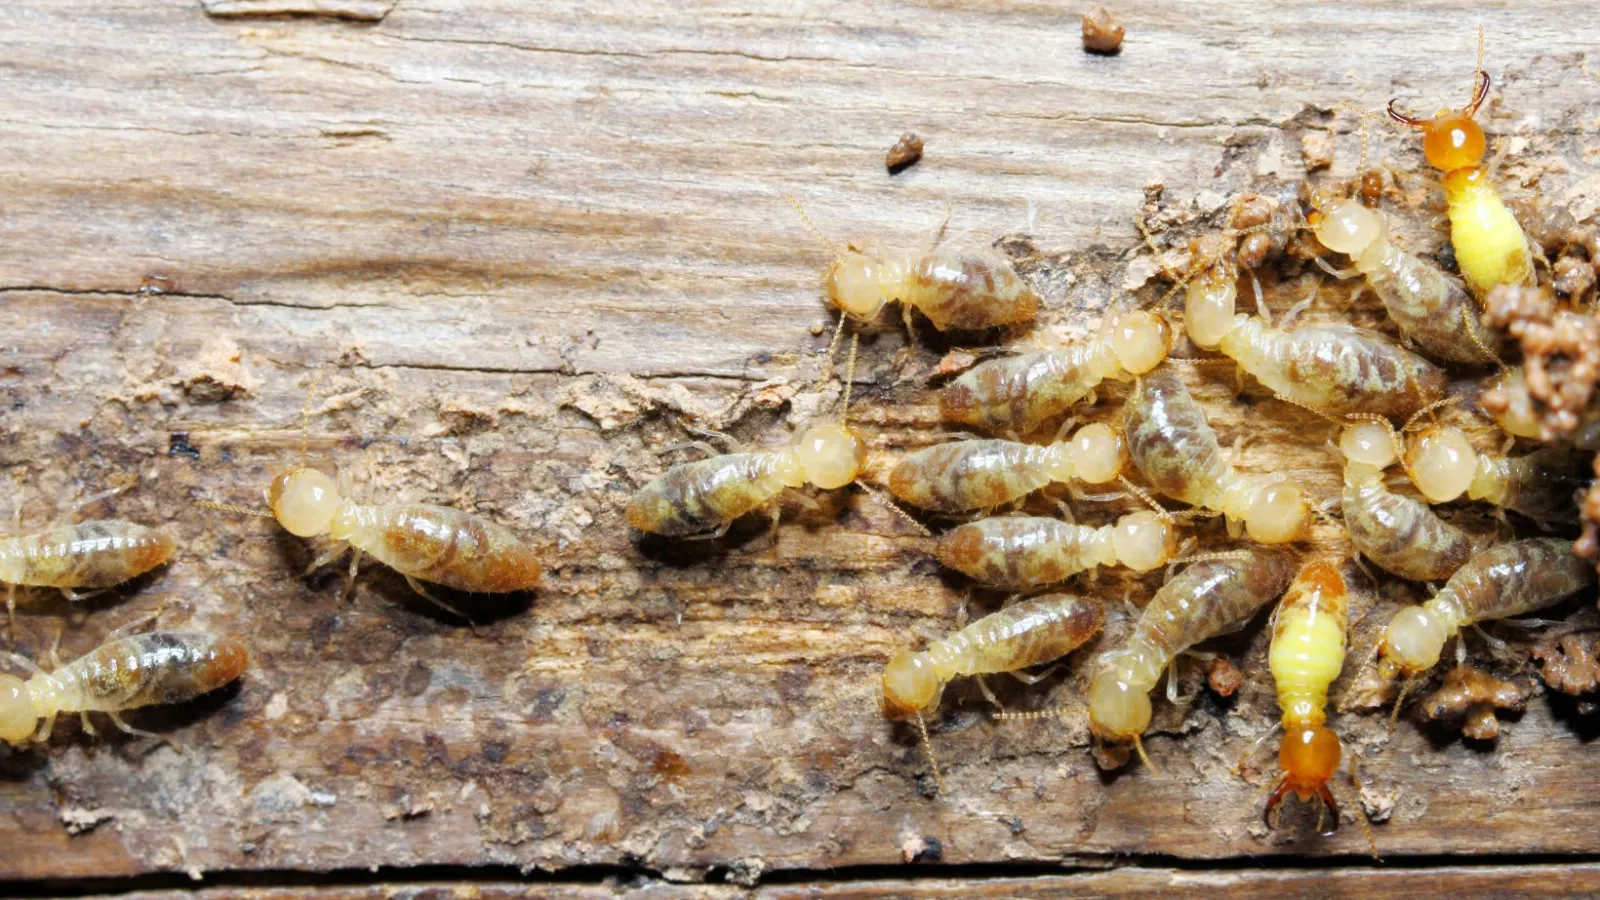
[{"x": 1386, "y": 391}]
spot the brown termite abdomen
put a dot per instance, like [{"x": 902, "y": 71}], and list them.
[
  {"x": 125, "y": 673},
  {"x": 86, "y": 556},
  {"x": 1400, "y": 534},
  {"x": 1022, "y": 552},
  {"x": 961, "y": 476},
  {"x": 1174, "y": 447},
  {"x": 1020, "y": 393}
]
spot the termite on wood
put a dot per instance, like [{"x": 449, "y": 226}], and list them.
[
  {"x": 1020, "y": 393},
  {"x": 1400, "y": 534},
  {"x": 1541, "y": 485},
  {"x": 961, "y": 476},
  {"x": 1173, "y": 445},
  {"x": 421, "y": 541},
  {"x": 126, "y": 672},
  {"x": 91, "y": 556},
  {"x": 1022, "y": 552}
]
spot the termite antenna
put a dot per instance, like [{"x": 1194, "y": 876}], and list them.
[
  {"x": 1361, "y": 814},
  {"x": 826, "y": 241},
  {"x": 235, "y": 508},
  {"x": 1412, "y": 422},
  {"x": 894, "y": 507},
  {"x": 1031, "y": 715},
  {"x": 1144, "y": 495},
  {"x": 1405, "y": 688},
  {"x": 1472, "y": 335},
  {"x": 1138, "y": 746},
  {"x": 927, "y": 747},
  {"x": 833, "y": 346},
  {"x": 849, "y": 377},
  {"x": 305, "y": 418}
]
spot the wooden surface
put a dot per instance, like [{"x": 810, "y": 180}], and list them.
[{"x": 523, "y": 245}]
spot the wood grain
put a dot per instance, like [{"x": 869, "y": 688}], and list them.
[{"x": 521, "y": 245}]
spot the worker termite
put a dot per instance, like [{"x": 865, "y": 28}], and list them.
[
  {"x": 1020, "y": 393},
  {"x": 1022, "y": 552},
  {"x": 126, "y": 672},
  {"x": 1430, "y": 307},
  {"x": 1490, "y": 246},
  {"x": 1027, "y": 633},
  {"x": 1541, "y": 485},
  {"x": 421, "y": 541},
  {"x": 703, "y": 498},
  {"x": 1306, "y": 656},
  {"x": 93, "y": 556},
  {"x": 955, "y": 291},
  {"x": 1208, "y": 598},
  {"x": 961, "y": 476},
  {"x": 1173, "y": 445},
  {"x": 1400, "y": 534},
  {"x": 1506, "y": 580}
]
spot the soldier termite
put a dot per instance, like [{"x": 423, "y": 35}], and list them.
[
  {"x": 1398, "y": 533},
  {"x": 1020, "y": 393},
  {"x": 421, "y": 541},
  {"x": 1025, "y": 634},
  {"x": 1022, "y": 552},
  {"x": 1430, "y": 307},
  {"x": 93, "y": 556},
  {"x": 703, "y": 498},
  {"x": 961, "y": 476},
  {"x": 1541, "y": 485},
  {"x": 1506, "y": 580},
  {"x": 126, "y": 672},
  {"x": 1208, "y": 598},
  {"x": 955, "y": 291},
  {"x": 1173, "y": 445},
  {"x": 1490, "y": 245}
]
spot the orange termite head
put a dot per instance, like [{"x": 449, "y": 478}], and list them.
[
  {"x": 1451, "y": 140},
  {"x": 1309, "y": 756},
  {"x": 910, "y": 685},
  {"x": 304, "y": 501}
]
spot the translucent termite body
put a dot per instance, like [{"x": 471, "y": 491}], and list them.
[
  {"x": 1430, "y": 307},
  {"x": 1173, "y": 446},
  {"x": 91, "y": 555},
  {"x": 1398, "y": 533},
  {"x": 1490, "y": 245},
  {"x": 1541, "y": 485},
  {"x": 1021, "y": 552},
  {"x": 706, "y": 496},
  {"x": 1028, "y": 633},
  {"x": 1306, "y": 656},
  {"x": 1208, "y": 598},
  {"x": 1334, "y": 368},
  {"x": 961, "y": 476},
  {"x": 125, "y": 673},
  {"x": 1020, "y": 393},
  {"x": 1517, "y": 418},
  {"x": 963, "y": 292},
  {"x": 1507, "y": 580}
]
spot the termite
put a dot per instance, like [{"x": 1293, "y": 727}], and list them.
[
  {"x": 421, "y": 541},
  {"x": 1400, "y": 534},
  {"x": 1173, "y": 446},
  {"x": 1027, "y": 633},
  {"x": 1306, "y": 656},
  {"x": 959, "y": 291},
  {"x": 1430, "y": 307},
  {"x": 703, "y": 498},
  {"x": 1020, "y": 393},
  {"x": 126, "y": 672},
  {"x": 1208, "y": 598},
  {"x": 1490, "y": 245},
  {"x": 1516, "y": 416},
  {"x": 1506, "y": 580},
  {"x": 961, "y": 476},
  {"x": 92, "y": 556},
  {"x": 1540, "y": 485},
  {"x": 1022, "y": 552}
]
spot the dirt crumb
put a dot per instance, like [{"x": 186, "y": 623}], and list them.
[
  {"x": 1316, "y": 150},
  {"x": 904, "y": 154},
  {"x": 1102, "y": 33},
  {"x": 1568, "y": 662},
  {"x": 1470, "y": 696}
]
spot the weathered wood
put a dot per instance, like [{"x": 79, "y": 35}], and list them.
[{"x": 522, "y": 246}]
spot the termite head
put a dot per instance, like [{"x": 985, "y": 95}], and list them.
[
  {"x": 1096, "y": 454},
  {"x": 1209, "y": 306},
  {"x": 304, "y": 501},
  {"x": 1144, "y": 540},
  {"x": 1345, "y": 226},
  {"x": 1412, "y": 642},
  {"x": 1441, "y": 463},
  {"x": 854, "y": 283},
  {"x": 1279, "y": 514},
  {"x": 1119, "y": 710},
  {"x": 17, "y": 716},
  {"x": 1309, "y": 757},
  {"x": 910, "y": 685},
  {"x": 1451, "y": 140},
  {"x": 1368, "y": 444},
  {"x": 831, "y": 455},
  {"x": 1141, "y": 341}
]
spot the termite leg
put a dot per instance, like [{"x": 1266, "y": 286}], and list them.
[
  {"x": 711, "y": 535},
  {"x": 333, "y": 553},
  {"x": 1238, "y": 767},
  {"x": 988, "y": 694},
  {"x": 714, "y": 435},
  {"x": 11, "y": 609},
  {"x": 1026, "y": 678},
  {"x": 703, "y": 446},
  {"x": 73, "y": 596},
  {"x": 1341, "y": 274},
  {"x": 423, "y": 593},
  {"x": 123, "y": 630},
  {"x": 1493, "y": 642},
  {"x": 1172, "y": 682},
  {"x": 88, "y": 727},
  {"x": 350, "y": 580},
  {"x": 82, "y": 504}
]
